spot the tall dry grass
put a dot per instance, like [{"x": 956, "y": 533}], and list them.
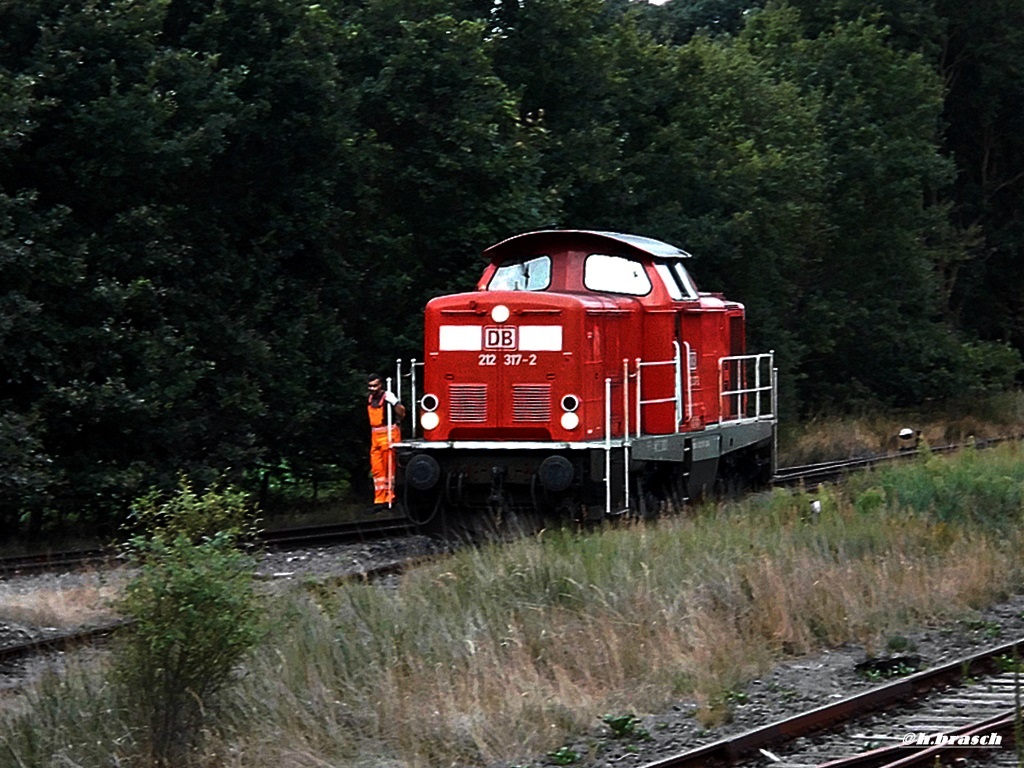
[
  {"x": 57, "y": 605},
  {"x": 504, "y": 653}
]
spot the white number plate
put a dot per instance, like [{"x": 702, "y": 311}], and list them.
[{"x": 509, "y": 358}]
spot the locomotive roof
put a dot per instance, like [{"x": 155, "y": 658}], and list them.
[{"x": 645, "y": 245}]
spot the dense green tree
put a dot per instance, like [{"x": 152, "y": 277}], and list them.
[
  {"x": 976, "y": 51},
  {"x": 450, "y": 166},
  {"x": 124, "y": 128},
  {"x": 876, "y": 330},
  {"x": 446, "y": 167},
  {"x": 697, "y": 145},
  {"x": 195, "y": 322},
  {"x": 912, "y": 25},
  {"x": 982, "y": 60},
  {"x": 220, "y": 213},
  {"x": 740, "y": 168},
  {"x": 678, "y": 21},
  {"x": 273, "y": 212},
  {"x": 563, "y": 58},
  {"x": 215, "y": 215}
]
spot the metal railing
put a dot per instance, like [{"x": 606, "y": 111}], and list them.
[
  {"x": 413, "y": 406},
  {"x": 746, "y": 387},
  {"x": 677, "y": 394}
]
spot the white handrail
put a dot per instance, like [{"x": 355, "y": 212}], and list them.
[
  {"x": 608, "y": 447},
  {"x": 391, "y": 454},
  {"x": 677, "y": 393},
  {"x": 689, "y": 383},
  {"x": 625, "y": 427},
  {"x": 413, "y": 405},
  {"x": 678, "y": 383},
  {"x": 748, "y": 401},
  {"x": 639, "y": 401}
]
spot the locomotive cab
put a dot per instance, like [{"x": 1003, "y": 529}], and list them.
[{"x": 577, "y": 368}]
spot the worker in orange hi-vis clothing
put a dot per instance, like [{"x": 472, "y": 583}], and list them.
[{"x": 384, "y": 433}]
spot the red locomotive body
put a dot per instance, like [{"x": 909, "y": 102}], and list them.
[{"x": 585, "y": 375}]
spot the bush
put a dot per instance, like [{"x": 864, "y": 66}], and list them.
[
  {"x": 194, "y": 614},
  {"x": 189, "y": 515}
]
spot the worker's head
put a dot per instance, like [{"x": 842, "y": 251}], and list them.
[{"x": 373, "y": 383}]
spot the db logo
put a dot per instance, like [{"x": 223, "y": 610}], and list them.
[{"x": 499, "y": 337}]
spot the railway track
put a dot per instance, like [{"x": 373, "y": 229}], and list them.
[
  {"x": 830, "y": 471},
  {"x": 928, "y": 718},
  {"x": 59, "y": 641},
  {"x": 317, "y": 535}
]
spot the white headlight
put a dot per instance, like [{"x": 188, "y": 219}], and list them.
[
  {"x": 500, "y": 313},
  {"x": 570, "y": 420},
  {"x": 430, "y": 420}
]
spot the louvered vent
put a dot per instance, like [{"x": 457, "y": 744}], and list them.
[
  {"x": 468, "y": 402},
  {"x": 531, "y": 402}
]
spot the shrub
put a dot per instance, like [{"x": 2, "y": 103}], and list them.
[
  {"x": 194, "y": 616},
  {"x": 190, "y": 515}
]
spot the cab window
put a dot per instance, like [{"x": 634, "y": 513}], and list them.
[
  {"x": 685, "y": 280},
  {"x": 668, "y": 279},
  {"x": 677, "y": 281},
  {"x": 615, "y": 274},
  {"x": 528, "y": 275}
]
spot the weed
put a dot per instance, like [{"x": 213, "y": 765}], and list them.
[
  {"x": 503, "y": 651},
  {"x": 563, "y": 756},
  {"x": 876, "y": 670},
  {"x": 719, "y": 709},
  {"x": 626, "y": 727},
  {"x": 1010, "y": 664},
  {"x": 988, "y": 629},
  {"x": 736, "y": 697}
]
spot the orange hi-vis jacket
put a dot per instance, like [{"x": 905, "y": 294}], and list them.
[{"x": 382, "y": 464}]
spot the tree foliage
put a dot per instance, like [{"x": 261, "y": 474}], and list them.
[{"x": 215, "y": 215}]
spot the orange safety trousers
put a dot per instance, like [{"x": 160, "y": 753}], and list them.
[{"x": 382, "y": 463}]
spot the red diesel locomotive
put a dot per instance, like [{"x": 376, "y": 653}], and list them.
[{"x": 585, "y": 376}]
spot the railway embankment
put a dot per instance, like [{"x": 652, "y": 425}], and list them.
[{"x": 697, "y": 625}]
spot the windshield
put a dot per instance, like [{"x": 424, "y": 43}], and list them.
[
  {"x": 530, "y": 275},
  {"x": 677, "y": 281},
  {"x": 615, "y": 274},
  {"x": 688, "y": 286}
]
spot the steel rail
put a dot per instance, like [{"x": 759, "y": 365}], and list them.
[
  {"x": 729, "y": 750},
  {"x": 826, "y": 471},
  {"x": 61, "y": 641},
  {"x": 903, "y": 756},
  {"x": 284, "y": 538}
]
